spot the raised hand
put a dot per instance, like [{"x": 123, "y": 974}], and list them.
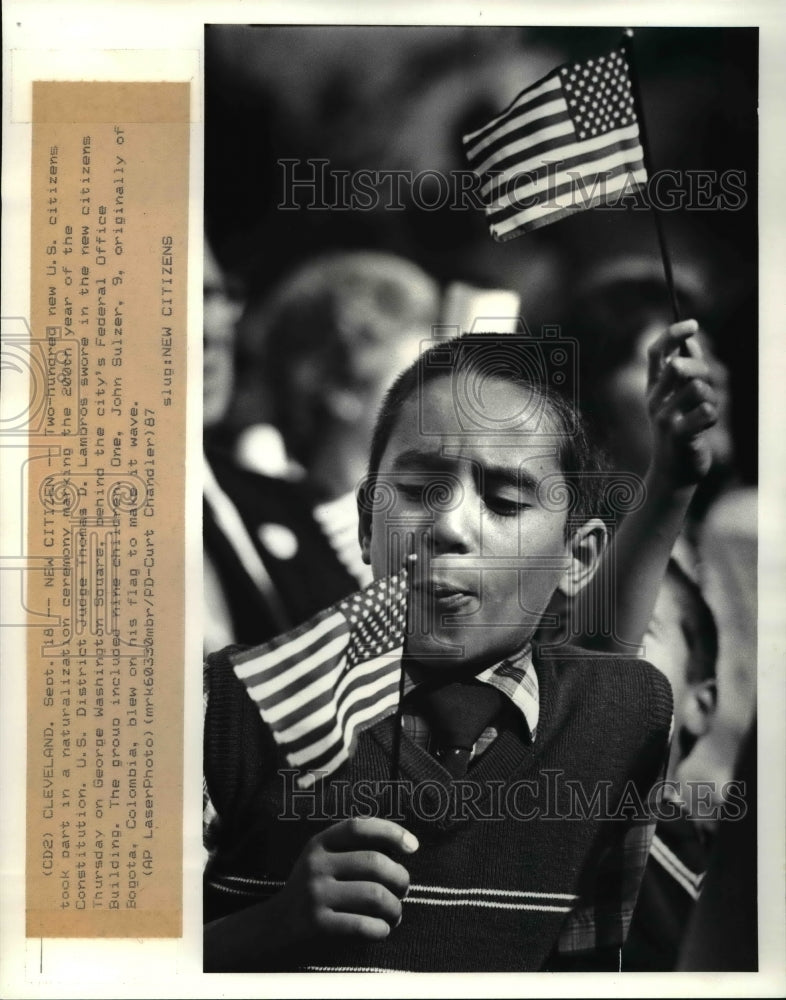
[{"x": 683, "y": 406}]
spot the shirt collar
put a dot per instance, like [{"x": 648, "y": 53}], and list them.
[{"x": 515, "y": 677}]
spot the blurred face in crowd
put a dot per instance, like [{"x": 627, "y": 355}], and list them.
[
  {"x": 623, "y": 397},
  {"x": 335, "y": 334},
  {"x": 219, "y": 316},
  {"x": 490, "y": 552},
  {"x": 376, "y": 350}
]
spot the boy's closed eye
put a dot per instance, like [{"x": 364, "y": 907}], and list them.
[
  {"x": 505, "y": 505},
  {"x": 441, "y": 493},
  {"x": 500, "y": 502},
  {"x": 507, "y": 494}
]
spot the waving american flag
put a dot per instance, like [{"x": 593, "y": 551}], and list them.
[
  {"x": 567, "y": 143},
  {"x": 321, "y": 684}
]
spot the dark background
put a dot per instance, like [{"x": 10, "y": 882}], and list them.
[{"x": 384, "y": 98}]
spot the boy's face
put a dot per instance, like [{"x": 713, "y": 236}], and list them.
[{"x": 490, "y": 554}]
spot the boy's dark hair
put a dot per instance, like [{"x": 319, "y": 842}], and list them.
[{"x": 494, "y": 355}]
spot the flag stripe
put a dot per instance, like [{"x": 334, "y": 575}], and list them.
[
  {"x": 283, "y": 651},
  {"x": 540, "y": 215},
  {"x": 300, "y": 700},
  {"x": 513, "y": 164},
  {"x": 556, "y": 132},
  {"x": 562, "y": 182},
  {"x": 275, "y": 709},
  {"x": 321, "y": 662},
  {"x": 533, "y": 128},
  {"x": 537, "y": 91},
  {"x": 569, "y": 154},
  {"x": 356, "y": 701},
  {"x": 315, "y": 713},
  {"x": 371, "y": 713},
  {"x": 552, "y": 104},
  {"x": 363, "y": 705},
  {"x": 327, "y": 734}
]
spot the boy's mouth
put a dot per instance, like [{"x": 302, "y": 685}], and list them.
[{"x": 444, "y": 595}]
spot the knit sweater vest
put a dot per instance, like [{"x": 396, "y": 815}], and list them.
[{"x": 505, "y": 854}]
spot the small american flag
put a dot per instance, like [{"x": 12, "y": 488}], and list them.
[
  {"x": 565, "y": 144},
  {"x": 321, "y": 684}
]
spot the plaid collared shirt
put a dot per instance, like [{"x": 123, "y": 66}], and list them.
[{"x": 514, "y": 677}]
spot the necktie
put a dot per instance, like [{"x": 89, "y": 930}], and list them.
[{"x": 458, "y": 712}]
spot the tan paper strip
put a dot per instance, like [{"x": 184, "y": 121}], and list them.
[
  {"x": 105, "y": 509},
  {"x": 68, "y": 102}
]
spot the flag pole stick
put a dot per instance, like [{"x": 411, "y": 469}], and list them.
[
  {"x": 409, "y": 562},
  {"x": 627, "y": 44},
  {"x": 396, "y": 751}
]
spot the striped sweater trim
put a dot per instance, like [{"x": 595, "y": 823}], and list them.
[
  {"x": 239, "y": 886},
  {"x": 491, "y": 892},
  {"x": 489, "y": 904},
  {"x": 430, "y": 895}
]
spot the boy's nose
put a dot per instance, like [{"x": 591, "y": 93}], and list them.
[{"x": 455, "y": 528}]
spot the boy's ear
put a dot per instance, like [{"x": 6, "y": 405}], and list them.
[
  {"x": 364, "y": 521},
  {"x": 587, "y": 545},
  {"x": 699, "y": 707}
]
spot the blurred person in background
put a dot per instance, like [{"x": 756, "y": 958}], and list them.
[
  {"x": 697, "y": 622},
  {"x": 331, "y": 339},
  {"x": 220, "y": 312},
  {"x": 266, "y": 564}
]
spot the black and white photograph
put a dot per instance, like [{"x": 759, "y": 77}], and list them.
[
  {"x": 416, "y": 607},
  {"x": 480, "y": 503}
]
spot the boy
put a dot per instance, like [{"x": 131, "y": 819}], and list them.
[{"x": 532, "y": 861}]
